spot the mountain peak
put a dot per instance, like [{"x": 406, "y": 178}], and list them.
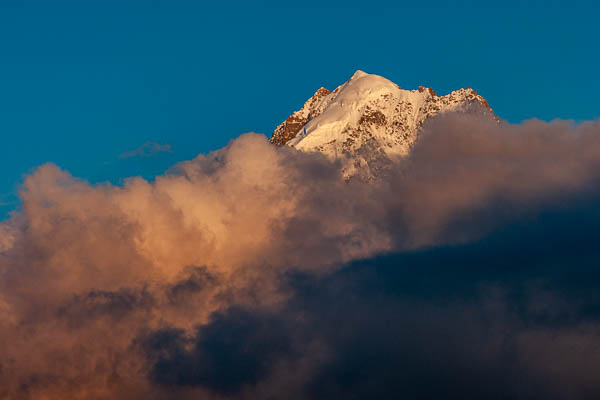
[
  {"x": 369, "y": 120},
  {"x": 358, "y": 74}
]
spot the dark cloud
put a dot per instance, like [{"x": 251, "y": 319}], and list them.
[
  {"x": 469, "y": 270},
  {"x": 236, "y": 348},
  {"x": 197, "y": 279},
  {"x": 148, "y": 149},
  {"x": 510, "y": 316},
  {"x": 96, "y": 304},
  {"x": 513, "y": 315}
]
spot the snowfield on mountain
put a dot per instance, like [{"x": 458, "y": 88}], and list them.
[{"x": 369, "y": 121}]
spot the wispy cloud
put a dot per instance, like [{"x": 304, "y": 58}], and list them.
[{"x": 148, "y": 149}]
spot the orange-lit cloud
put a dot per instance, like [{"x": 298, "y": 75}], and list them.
[{"x": 93, "y": 275}]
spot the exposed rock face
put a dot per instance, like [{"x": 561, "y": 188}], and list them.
[
  {"x": 288, "y": 129},
  {"x": 369, "y": 121}
]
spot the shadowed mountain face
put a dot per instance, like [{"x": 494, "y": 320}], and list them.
[{"x": 369, "y": 121}]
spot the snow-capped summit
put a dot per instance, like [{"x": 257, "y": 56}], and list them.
[{"x": 369, "y": 120}]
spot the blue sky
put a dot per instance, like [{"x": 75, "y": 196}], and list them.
[{"x": 81, "y": 85}]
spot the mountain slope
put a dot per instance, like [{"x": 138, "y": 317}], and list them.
[{"x": 369, "y": 121}]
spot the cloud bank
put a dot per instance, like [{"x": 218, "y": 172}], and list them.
[{"x": 470, "y": 270}]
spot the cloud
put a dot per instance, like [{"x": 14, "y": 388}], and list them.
[
  {"x": 258, "y": 272},
  {"x": 148, "y": 149}
]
